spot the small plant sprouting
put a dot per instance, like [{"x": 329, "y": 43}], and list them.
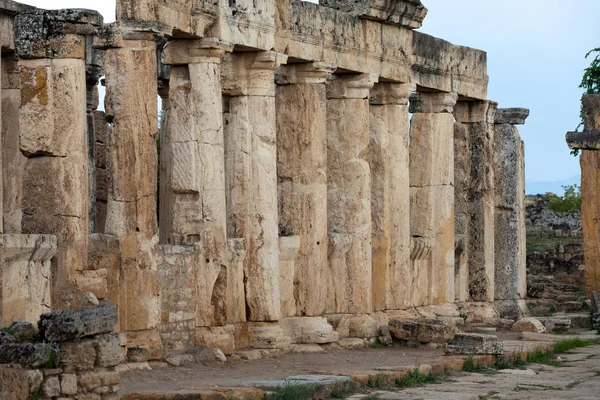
[{"x": 415, "y": 378}]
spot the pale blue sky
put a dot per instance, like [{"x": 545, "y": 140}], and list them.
[{"x": 536, "y": 59}]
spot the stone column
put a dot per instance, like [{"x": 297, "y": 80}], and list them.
[
  {"x": 432, "y": 192},
  {"x": 474, "y": 196},
  {"x": 251, "y": 175},
  {"x": 12, "y": 158},
  {"x": 193, "y": 155},
  {"x": 390, "y": 197},
  {"x": 589, "y": 143},
  {"x": 510, "y": 237},
  {"x": 349, "y": 193},
  {"x": 50, "y": 46},
  {"x": 302, "y": 180},
  {"x": 131, "y": 109}
]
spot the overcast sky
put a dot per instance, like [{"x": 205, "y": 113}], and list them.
[{"x": 536, "y": 59}]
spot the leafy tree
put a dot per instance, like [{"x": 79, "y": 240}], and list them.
[
  {"x": 570, "y": 201},
  {"x": 590, "y": 83}
]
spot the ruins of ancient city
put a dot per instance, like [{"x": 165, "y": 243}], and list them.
[{"x": 213, "y": 182}]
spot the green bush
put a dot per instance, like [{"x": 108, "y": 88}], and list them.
[{"x": 570, "y": 201}]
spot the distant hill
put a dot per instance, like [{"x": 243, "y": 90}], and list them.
[{"x": 554, "y": 186}]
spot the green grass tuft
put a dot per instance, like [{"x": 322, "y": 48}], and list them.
[
  {"x": 294, "y": 392},
  {"x": 470, "y": 366},
  {"x": 415, "y": 378},
  {"x": 566, "y": 345}
]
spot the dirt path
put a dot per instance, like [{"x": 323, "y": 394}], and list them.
[
  {"x": 578, "y": 379},
  {"x": 234, "y": 373}
]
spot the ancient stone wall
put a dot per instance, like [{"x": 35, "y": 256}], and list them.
[
  {"x": 74, "y": 356},
  {"x": 287, "y": 196}
]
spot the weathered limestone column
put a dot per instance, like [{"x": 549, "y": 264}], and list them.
[
  {"x": 588, "y": 142},
  {"x": 194, "y": 158},
  {"x": 96, "y": 128},
  {"x": 13, "y": 160},
  {"x": 251, "y": 175},
  {"x": 432, "y": 191},
  {"x": 131, "y": 108},
  {"x": 390, "y": 197},
  {"x": 349, "y": 193},
  {"x": 474, "y": 195},
  {"x": 50, "y": 46},
  {"x": 509, "y": 235},
  {"x": 302, "y": 180}
]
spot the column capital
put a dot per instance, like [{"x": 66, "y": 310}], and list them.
[
  {"x": 513, "y": 116},
  {"x": 54, "y": 33},
  {"x": 315, "y": 72},
  {"x": 355, "y": 86},
  {"x": 433, "y": 102},
  {"x": 475, "y": 111},
  {"x": 251, "y": 73},
  {"x": 129, "y": 34},
  {"x": 391, "y": 93},
  {"x": 206, "y": 50}
]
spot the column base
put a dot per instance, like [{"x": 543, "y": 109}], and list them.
[
  {"x": 513, "y": 309},
  {"x": 479, "y": 312}
]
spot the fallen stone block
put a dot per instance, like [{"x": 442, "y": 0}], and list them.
[
  {"x": 308, "y": 349},
  {"x": 528, "y": 325},
  {"x": 323, "y": 385},
  {"x": 63, "y": 325},
  {"x": 22, "y": 331},
  {"x": 474, "y": 343},
  {"x": 308, "y": 330},
  {"x": 29, "y": 355},
  {"x": 423, "y": 330},
  {"x": 210, "y": 355},
  {"x": 555, "y": 323},
  {"x": 180, "y": 359}
]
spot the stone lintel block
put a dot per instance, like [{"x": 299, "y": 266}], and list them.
[
  {"x": 19, "y": 247},
  {"x": 406, "y": 13},
  {"x": 59, "y": 326},
  {"x": 422, "y": 330},
  {"x": 121, "y": 34},
  {"x": 251, "y": 73},
  {"x": 54, "y": 33},
  {"x": 474, "y": 343},
  {"x": 586, "y": 140},
  {"x": 475, "y": 111},
  {"x": 206, "y": 50},
  {"x": 315, "y": 72},
  {"x": 513, "y": 116},
  {"x": 591, "y": 112},
  {"x": 391, "y": 93},
  {"x": 354, "y": 86},
  {"x": 433, "y": 102},
  {"x": 30, "y": 355}
]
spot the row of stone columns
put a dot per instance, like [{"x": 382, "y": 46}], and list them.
[{"x": 325, "y": 158}]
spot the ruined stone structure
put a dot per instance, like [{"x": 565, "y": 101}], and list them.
[
  {"x": 588, "y": 142},
  {"x": 318, "y": 170}
]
